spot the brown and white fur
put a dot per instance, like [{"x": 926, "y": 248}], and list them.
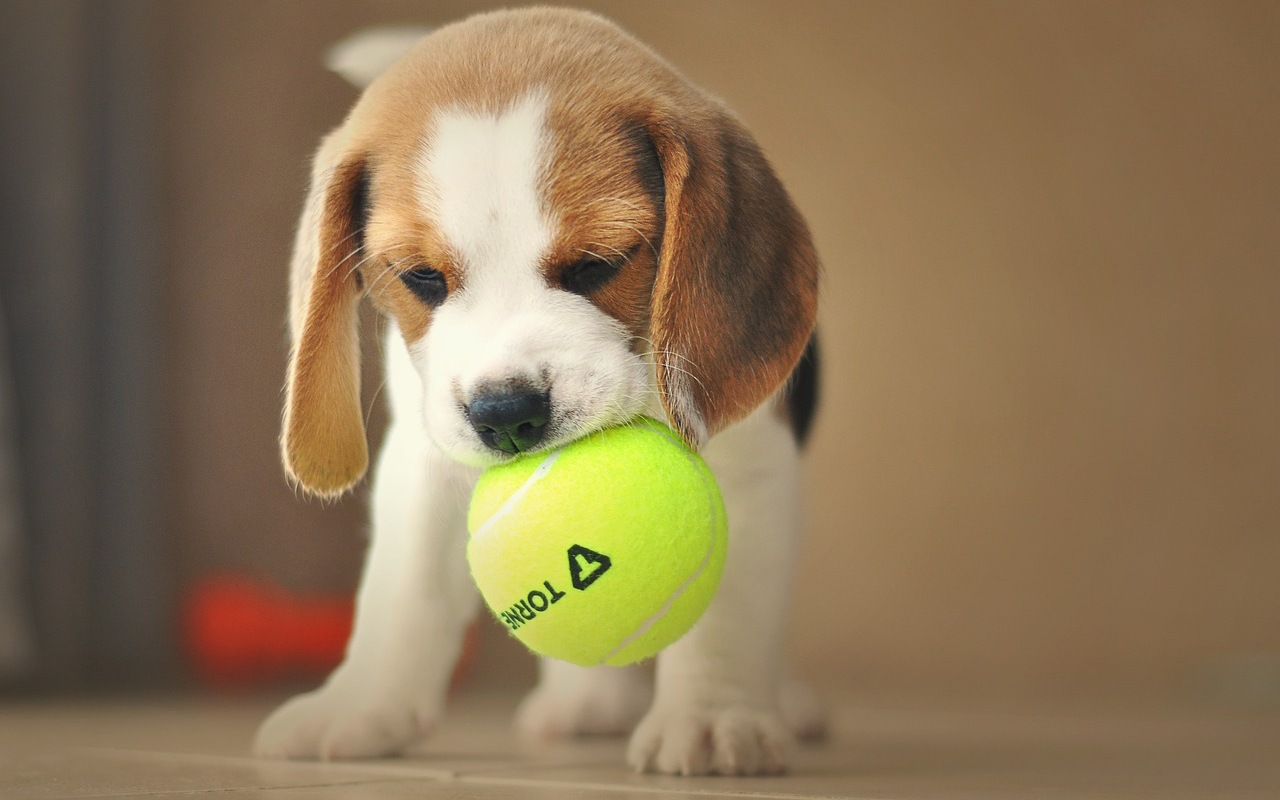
[{"x": 542, "y": 207}]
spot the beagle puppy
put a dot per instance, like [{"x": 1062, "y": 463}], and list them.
[{"x": 561, "y": 233}]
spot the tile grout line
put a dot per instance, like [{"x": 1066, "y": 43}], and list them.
[
  {"x": 349, "y": 767},
  {"x": 229, "y": 789},
  {"x": 393, "y": 772},
  {"x": 551, "y": 783}
]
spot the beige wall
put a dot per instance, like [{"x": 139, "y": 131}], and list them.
[{"x": 1049, "y": 447}]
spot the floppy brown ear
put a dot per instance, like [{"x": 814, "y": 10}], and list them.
[
  {"x": 323, "y": 442},
  {"x": 735, "y": 298}
]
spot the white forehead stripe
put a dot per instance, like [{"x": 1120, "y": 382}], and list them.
[{"x": 478, "y": 180}]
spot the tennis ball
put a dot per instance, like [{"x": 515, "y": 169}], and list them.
[{"x": 604, "y": 551}]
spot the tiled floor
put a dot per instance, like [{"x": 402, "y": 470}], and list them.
[{"x": 151, "y": 749}]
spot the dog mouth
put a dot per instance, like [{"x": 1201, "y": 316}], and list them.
[{"x": 536, "y": 410}]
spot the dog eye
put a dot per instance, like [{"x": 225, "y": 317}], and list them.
[
  {"x": 588, "y": 275},
  {"x": 427, "y": 284}
]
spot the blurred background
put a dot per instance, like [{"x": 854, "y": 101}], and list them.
[{"x": 1048, "y": 455}]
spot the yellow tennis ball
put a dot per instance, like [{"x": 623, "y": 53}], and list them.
[{"x": 604, "y": 551}]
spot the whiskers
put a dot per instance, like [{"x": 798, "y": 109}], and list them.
[
  {"x": 361, "y": 260},
  {"x": 619, "y": 255},
  {"x": 673, "y": 361},
  {"x": 640, "y": 211}
]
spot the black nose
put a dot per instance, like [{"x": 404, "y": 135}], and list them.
[{"x": 512, "y": 421}]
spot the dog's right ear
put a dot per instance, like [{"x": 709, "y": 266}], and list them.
[{"x": 323, "y": 441}]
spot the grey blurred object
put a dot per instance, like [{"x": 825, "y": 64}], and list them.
[
  {"x": 16, "y": 651},
  {"x": 82, "y": 281}
]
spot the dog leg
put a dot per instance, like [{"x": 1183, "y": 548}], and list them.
[
  {"x": 583, "y": 701},
  {"x": 716, "y": 705},
  {"x": 415, "y": 601}
]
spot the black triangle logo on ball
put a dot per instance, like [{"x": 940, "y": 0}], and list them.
[{"x": 586, "y": 565}]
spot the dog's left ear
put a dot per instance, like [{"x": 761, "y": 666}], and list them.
[
  {"x": 735, "y": 299},
  {"x": 323, "y": 442}
]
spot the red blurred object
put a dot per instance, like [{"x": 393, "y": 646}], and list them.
[{"x": 241, "y": 632}]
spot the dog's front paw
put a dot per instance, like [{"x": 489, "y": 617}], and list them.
[
  {"x": 332, "y": 724},
  {"x": 737, "y": 740},
  {"x": 601, "y": 701}
]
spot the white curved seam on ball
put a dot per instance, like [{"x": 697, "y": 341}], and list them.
[
  {"x": 653, "y": 618},
  {"x": 507, "y": 507}
]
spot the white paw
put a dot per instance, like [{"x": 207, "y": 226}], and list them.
[
  {"x": 802, "y": 711},
  {"x": 332, "y": 724},
  {"x": 731, "y": 741},
  {"x": 603, "y": 702}
]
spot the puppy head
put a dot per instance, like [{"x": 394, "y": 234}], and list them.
[{"x": 565, "y": 233}]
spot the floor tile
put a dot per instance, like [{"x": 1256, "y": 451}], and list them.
[
  {"x": 185, "y": 748},
  {"x": 922, "y": 756},
  {"x": 54, "y": 774},
  {"x": 201, "y": 724}
]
